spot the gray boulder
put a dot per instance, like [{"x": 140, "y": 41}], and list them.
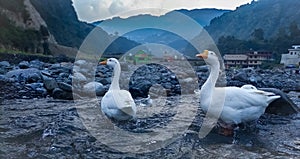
[
  {"x": 49, "y": 83},
  {"x": 4, "y": 64},
  {"x": 65, "y": 86},
  {"x": 23, "y": 75},
  {"x": 96, "y": 87},
  {"x": 241, "y": 76},
  {"x": 61, "y": 94},
  {"x": 24, "y": 65}
]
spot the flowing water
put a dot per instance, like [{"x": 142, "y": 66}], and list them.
[{"x": 47, "y": 128}]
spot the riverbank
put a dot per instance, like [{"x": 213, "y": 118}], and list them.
[{"x": 38, "y": 79}]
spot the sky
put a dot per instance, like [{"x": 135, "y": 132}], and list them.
[{"x": 95, "y": 10}]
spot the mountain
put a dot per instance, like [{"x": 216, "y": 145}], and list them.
[
  {"x": 119, "y": 25},
  {"x": 63, "y": 22},
  {"x": 203, "y": 16},
  {"x": 163, "y": 29},
  {"x": 24, "y": 25},
  {"x": 269, "y": 15}
]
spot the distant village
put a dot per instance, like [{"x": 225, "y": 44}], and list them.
[
  {"x": 256, "y": 58},
  {"x": 239, "y": 60}
]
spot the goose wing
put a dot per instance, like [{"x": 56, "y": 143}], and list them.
[{"x": 238, "y": 98}]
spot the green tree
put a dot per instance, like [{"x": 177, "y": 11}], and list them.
[
  {"x": 258, "y": 34},
  {"x": 230, "y": 44},
  {"x": 294, "y": 30}
]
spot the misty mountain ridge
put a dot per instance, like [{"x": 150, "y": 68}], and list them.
[
  {"x": 119, "y": 25},
  {"x": 166, "y": 27},
  {"x": 268, "y": 15}
]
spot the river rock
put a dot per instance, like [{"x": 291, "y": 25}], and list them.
[
  {"x": 49, "y": 83},
  {"x": 34, "y": 86},
  {"x": 59, "y": 68},
  {"x": 61, "y": 94},
  {"x": 201, "y": 68},
  {"x": 22, "y": 75},
  {"x": 241, "y": 76},
  {"x": 24, "y": 65},
  {"x": 105, "y": 81},
  {"x": 36, "y": 64},
  {"x": 78, "y": 78},
  {"x": 281, "y": 106},
  {"x": 94, "y": 87},
  {"x": 34, "y": 77},
  {"x": 140, "y": 89},
  {"x": 80, "y": 63},
  {"x": 4, "y": 67},
  {"x": 65, "y": 86},
  {"x": 4, "y": 64}
]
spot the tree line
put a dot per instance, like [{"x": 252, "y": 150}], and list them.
[{"x": 279, "y": 44}]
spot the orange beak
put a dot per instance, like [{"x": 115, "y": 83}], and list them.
[
  {"x": 103, "y": 62},
  {"x": 203, "y": 55}
]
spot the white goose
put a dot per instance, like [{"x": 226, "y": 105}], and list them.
[
  {"x": 240, "y": 104},
  {"x": 116, "y": 103}
]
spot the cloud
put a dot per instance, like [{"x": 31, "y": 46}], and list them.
[{"x": 93, "y": 10}]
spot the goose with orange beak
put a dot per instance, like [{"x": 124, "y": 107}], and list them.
[
  {"x": 116, "y": 103},
  {"x": 237, "y": 105}
]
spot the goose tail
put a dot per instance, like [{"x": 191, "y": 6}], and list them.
[{"x": 272, "y": 98}]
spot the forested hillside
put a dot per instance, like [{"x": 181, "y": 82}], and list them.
[
  {"x": 262, "y": 25},
  {"x": 271, "y": 16}
]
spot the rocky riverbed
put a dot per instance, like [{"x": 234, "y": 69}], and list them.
[
  {"x": 39, "y": 119},
  {"x": 36, "y": 79}
]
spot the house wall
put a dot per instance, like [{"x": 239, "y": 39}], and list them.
[{"x": 291, "y": 58}]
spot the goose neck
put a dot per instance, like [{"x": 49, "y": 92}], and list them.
[
  {"x": 116, "y": 77},
  {"x": 213, "y": 75}
]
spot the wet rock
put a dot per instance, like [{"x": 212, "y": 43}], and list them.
[
  {"x": 59, "y": 68},
  {"x": 241, "y": 76},
  {"x": 105, "y": 81},
  {"x": 93, "y": 87},
  {"x": 80, "y": 63},
  {"x": 2, "y": 71},
  {"x": 253, "y": 79},
  {"x": 24, "y": 65},
  {"x": 36, "y": 64},
  {"x": 4, "y": 64},
  {"x": 4, "y": 67},
  {"x": 3, "y": 78},
  {"x": 34, "y": 86},
  {"x": 38, "y": 89},
  {"x": 49, "y": 83},
  {"x": 22, "y": 75},
  {"x": 46, "y": 73},
  {"x": 34, "y": 77},
  {"x": 201, "y": 68},
  {"x": 281, "y": 106},
  {"x": 65, "y": 86},
  {"x": 78, "y": 78},
  {"x": 140, "y": 89},
  {"x": 42, "y": 91},
  {"x": 61, "y": 94},
  {"x": 63, "y": 77},
  {"x": 103, "y": 69}
]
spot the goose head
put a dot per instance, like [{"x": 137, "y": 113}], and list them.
[
  {"x": 110, "y": 62},
  {"x": 209, "y": 57}
]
